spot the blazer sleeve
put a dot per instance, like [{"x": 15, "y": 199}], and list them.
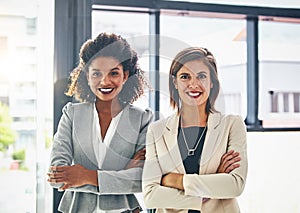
[
  {"x": 155, "y": 195},
  {"x": 126, "y": 181},
  {"x": 62, "y": 149},
  {"x": 223, "y": 185}
]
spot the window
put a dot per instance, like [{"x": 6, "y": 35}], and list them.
[
  {"x": 265, "y": 3},
  {"x": 134, "y": 27},
  {"x": 279, "y": 68},
  {"x": 26, "y": 73},
  {"x": 224, "y": 38}
]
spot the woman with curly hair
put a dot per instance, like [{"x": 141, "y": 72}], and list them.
[{"x": 98, "y": 150}]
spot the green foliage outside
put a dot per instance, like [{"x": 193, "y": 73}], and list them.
[
  {"x": 7, "y": 135},
  {"x": 19, "y": 155}
]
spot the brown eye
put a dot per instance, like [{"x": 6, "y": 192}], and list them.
[{"x": 184, "y": 76}]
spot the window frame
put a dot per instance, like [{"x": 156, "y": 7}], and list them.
[{"x": 73, "y": 27}]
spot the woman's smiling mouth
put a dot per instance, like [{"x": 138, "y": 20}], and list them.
[
  {"x": 105, "y": 90},
  {"x": 194, "y": 94}
]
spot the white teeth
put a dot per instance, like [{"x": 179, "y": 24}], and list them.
[
  {"x": 106, "y": 89},
  {"x": 194, "y": 94}
]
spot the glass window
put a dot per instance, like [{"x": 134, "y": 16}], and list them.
[
  {"x": 262, "y": 3},
  {"x": 26, "y": 53},
  {"x": 225, "y": 39},
  {"x": 279, "y": 68},
  {"x": 134, "y": 27}
]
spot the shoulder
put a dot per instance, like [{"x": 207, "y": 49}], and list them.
[
  {"x": 228, "y": 121},
  {"x": 159, "y": 127},
  {"x": 71, "y": 108},
  {"x": 234, "y": 119},
  {"x": 137, "y": 112}
]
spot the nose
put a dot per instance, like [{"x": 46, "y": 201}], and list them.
[
  {"x": 104, "y": 80},
  {"x": 194, "y": 83}
]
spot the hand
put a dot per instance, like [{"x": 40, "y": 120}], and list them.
[
  {"x": 137, "y": 160},
  {"x": 173, "y": 180},
  {"x": 72, "y": 176},
  {"x": 229, "y": 162}
]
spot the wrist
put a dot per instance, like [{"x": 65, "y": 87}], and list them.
[
  {"x": 180, "y": 182},
  {"x": 92, "y": 177}
]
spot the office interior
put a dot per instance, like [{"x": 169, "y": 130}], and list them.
[{"x": 257, "y": 47}]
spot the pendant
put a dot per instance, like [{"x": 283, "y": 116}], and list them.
[{"x": 191, "y": 152}]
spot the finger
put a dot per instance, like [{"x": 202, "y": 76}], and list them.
[
  {"x": 227, "y": 154},
  {"x": 142, "y": 157},
  {"x": 64, "y": 187},
  {"x": 235, "y": 154},
  {"x": 232, "y": 167},
  {"x": 141, "y": 152},
  {"x": 56, "y": 180},
  {"x": 139, "y": 155},
  {"x": 56, "y": 174},
  {"x": 231, "y": 162},
  {"x": 230, "y": 156},
  {"x": 58, "y": 168}
]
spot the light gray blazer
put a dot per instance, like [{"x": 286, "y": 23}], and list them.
[
  {"x": 163, "y": 156},
  {"x": 73, "y": 144}
]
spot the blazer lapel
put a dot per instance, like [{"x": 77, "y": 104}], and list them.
[
  {"x": 123, "y": 142},
  {"x": 170, "y": 138},
  {"x": 84, "y": 135},
  {"x": 211, "y": 139}
]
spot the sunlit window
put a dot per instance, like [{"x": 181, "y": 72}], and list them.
[
  {"x": 264, "y": 3},
  {"x": 26, "y": 61},
  {"x": 132, "y": 26},
  {"x": 224, "y": 38},
  {"x": 279, "y": 68}
]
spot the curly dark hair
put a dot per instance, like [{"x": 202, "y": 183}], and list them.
[
  {"x": 191, "y": 54},
  {"x": 107, "y": 45}
]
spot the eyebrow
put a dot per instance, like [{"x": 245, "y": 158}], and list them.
[
  {"x": 115, "y": 68},
  {"x": 94, "y": 69},
  {"x": 201, "y": 72}
]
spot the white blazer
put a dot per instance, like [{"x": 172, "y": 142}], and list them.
[{"x": 224, "y": 133}]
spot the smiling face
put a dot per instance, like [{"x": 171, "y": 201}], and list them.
[
  {"x": 193, "y": 83},
  {"x": 106, "y": 78}
]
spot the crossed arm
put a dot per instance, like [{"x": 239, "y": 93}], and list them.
[
  {"x": 229, "y": 162},
  {"x": 77, "y": 175}
]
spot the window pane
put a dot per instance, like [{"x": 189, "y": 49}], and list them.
[
  {"x": 262, "y": 3},
  {"x": 132, "y": 26},
  {"x": 26, "y": 52},
  {"x": 279, "y": 67},
  {"x": 225, "y": 38}
]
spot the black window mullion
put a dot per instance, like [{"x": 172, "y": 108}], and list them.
[{"x": 252, "y": 74}]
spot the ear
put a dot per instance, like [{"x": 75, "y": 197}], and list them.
[
  {"x": 126, "y": 75},
  {"x": 87, "y": 78},
  {"x": 175, "y": 82},
  {"x": 211, "y": 85}
]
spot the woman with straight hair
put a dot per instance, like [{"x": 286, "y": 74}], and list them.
[{"x": 182, "y": 171}]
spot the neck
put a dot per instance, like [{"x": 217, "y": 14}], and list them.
[
  {"x": 193, "y": 116},
  {"x": 111, "y": 108}
]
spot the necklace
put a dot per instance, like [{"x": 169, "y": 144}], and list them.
[{"x": 191, "y": 152}]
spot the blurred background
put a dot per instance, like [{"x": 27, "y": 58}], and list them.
[{"x": 257, "y": 47}]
